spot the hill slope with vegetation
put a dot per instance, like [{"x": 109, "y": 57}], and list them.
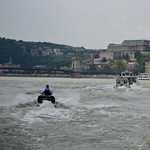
[
  {"x": 14, "y": 49},
  {"x": 20, "y": 52}
]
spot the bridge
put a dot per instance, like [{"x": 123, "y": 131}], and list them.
[
  {"x": 71, "y": 72},
  {"x": 36, "y": 69}
]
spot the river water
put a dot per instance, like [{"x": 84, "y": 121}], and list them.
[{"x": 91, "y": 115}]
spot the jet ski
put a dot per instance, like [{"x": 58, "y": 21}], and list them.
[{"x": 46, "y": 97}]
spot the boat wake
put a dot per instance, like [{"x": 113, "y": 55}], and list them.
[{"x": 46, "y": 104}]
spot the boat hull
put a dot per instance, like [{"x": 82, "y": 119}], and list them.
[{"x": 127, "y": 82}]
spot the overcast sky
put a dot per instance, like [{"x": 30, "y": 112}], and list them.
[{"x": 89, "y": 23}]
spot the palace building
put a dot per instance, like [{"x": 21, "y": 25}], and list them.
[
  {"x": 127, "y": 47},
  {"x": 130, "y": 46}
]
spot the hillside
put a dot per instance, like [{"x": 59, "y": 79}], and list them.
[
  {"x": 30, "y": 54},
  {"x": 20, "y": 52}
]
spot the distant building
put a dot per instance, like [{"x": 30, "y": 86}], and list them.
[
  {"x": 147, "y": 67},
  {"x": 129, "y": 46},
  {"x": 125, "y": 62},
  {"x": 45, "y": 53},
  {"x": 1, "y": 71},
  {"x": 106, "y": 55},
  {"x": 34, "y": 51},
  {"x": 40, "y": 49},
  {"x": 75, "y": 63},
  {"x": 48, "y": 49},
  {"x": 10, "y": 65},
  {"x": 99, "y": 64},
  {"x": 132, "y": 65},
  {"x": 131, "y": 55},
  {"x": 40, "y": 67},
  {"x": 57, "y": 52},
  {"x": 79, "y": 49},
  {"x": 84, "y": 66},
  {"x": 65, "y": 68},
  {"x": 97, "y": 60}
]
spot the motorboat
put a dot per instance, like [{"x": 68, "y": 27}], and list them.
[
  {"x": 126, "y": 79},
  {"x": 144, "y": 76}
]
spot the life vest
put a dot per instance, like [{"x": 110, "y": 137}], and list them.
[{"x": 47, "y": 91}]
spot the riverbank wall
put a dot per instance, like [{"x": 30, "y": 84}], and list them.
[{"x": 60, "y": 76}]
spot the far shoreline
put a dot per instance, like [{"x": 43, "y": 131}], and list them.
[
  {"x": 61, "y": 79},
  {"x": 102, "y": 76},
  {"x": 58, "y": 79}
]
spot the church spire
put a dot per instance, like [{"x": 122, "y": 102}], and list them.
[{"x": 10, "y": 60}]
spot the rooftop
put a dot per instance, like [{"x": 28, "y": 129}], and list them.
[
  {"x": 137, "y": 40},
  {"x": 132, "y": 63}
]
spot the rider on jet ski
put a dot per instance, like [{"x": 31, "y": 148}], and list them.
[
  {"x": 47, "y": 91},
  {"x": 46, "y": 95}
]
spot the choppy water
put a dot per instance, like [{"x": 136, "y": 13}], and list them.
[{"x": 92, "y": 115}]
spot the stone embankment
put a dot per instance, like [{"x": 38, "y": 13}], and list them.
[{"x": 60, "y": 76}]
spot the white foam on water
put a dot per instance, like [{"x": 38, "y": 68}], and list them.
[
  {"x": 97, "y": 114},
  {"x": 47, "y": 104}
]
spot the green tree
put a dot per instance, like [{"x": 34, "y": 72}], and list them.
[
  {"x": 119, "y": 66},
  {"x": 92, "y": 67},
  {"x": 127, "y": 57},
  {"x": 141, "y": 59},
  {"x": 148, "y": 58},
  {"x": 106, "y": 67},
  {"x": 135, "y": 71},
  {"x": 138, "y": 55}
]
